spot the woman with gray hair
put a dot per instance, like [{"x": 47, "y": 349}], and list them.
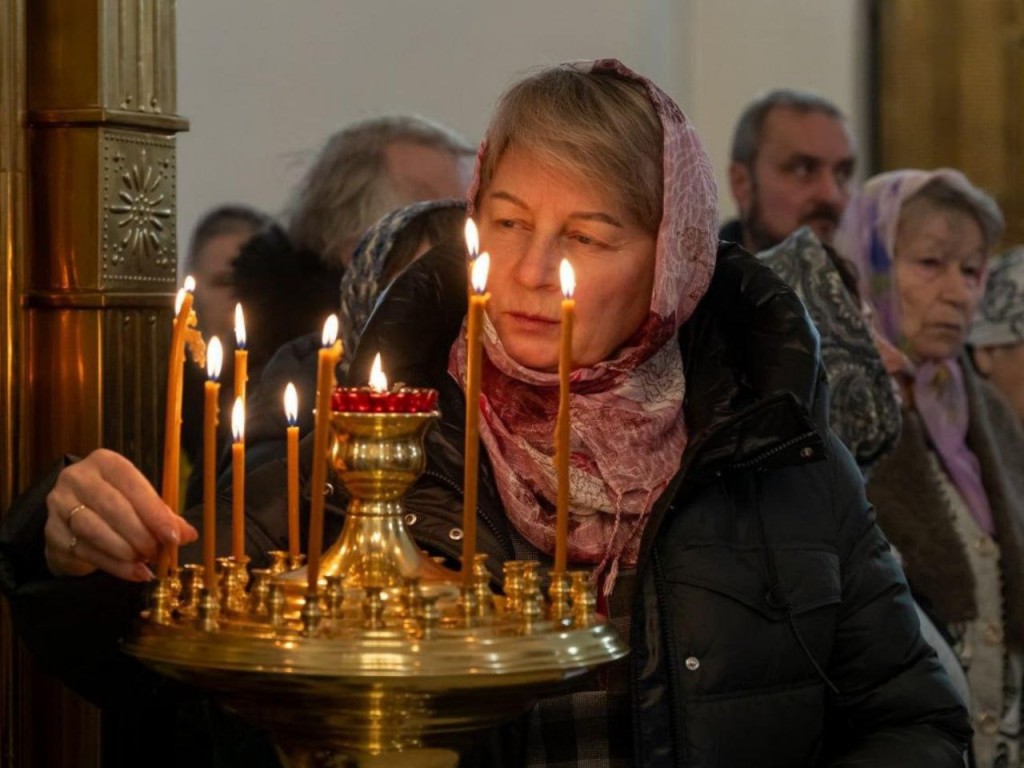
[{"x": 949, "y": 495}]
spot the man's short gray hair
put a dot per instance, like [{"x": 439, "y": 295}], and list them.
[
  {"x": 348, "y": 189},
  {"x": 746, "y": 139}
]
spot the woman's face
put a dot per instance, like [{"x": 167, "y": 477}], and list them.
[
  {"x": 530, "y": 218},
  {"x": 939, "y": 269}
]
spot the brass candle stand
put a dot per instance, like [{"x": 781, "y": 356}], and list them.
[{"x": 389, "y": 659}]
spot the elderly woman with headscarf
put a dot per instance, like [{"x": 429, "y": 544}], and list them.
[
  {"x": 725, "y": 525},
  {"x": 997, "y": 336},
  {"x": 949, "y": 496}
]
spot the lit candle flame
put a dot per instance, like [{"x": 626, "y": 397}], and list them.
[
  {"x": 480, "y": 269},
  {"x": 330, "y": 334},
  {"x": 239, "y": 327},
  {"x": 291, "y": 404},
  {"x": 378, "y": 381},
  {"x": 189, "y": 284},
  {"x": 568, "y": 278},
  {"x": 178, "y": 301},
  {"x": 214, "y": 358},
  {"x": 238, "y": 420},
  {"x": 472, "y": 239}
]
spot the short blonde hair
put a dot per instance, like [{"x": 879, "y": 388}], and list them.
[{"x": 598, "y": 127}]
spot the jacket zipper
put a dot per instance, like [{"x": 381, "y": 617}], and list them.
[{"x": 783, "y": 446}]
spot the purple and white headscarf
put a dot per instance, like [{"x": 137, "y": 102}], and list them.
[{"x": 867, "y": 236}]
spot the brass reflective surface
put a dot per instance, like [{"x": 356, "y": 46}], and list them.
[
  {"x": 87, "y": 278},
  {"x": 389, "y": 654}
]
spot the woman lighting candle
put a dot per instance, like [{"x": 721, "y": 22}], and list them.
[
  {"x": 291, "y": 411},
  {"x": 238, "y": 480},
  {"x": 241, "y": 354},
  {"x": 477, "y": 304},
  {"x": 568, "y": 280},
  {"x": 327, "y": 360},
  {"x": 214, "y": 359}
]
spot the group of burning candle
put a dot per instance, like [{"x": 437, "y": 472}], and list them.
[{"x": 327, "y": 398}]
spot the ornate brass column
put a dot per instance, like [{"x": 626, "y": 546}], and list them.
[
  {"x": 87, "y": 127},
  {"x": 103, "y": 271}
]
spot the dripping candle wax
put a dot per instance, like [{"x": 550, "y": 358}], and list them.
[
  {"x": 568, "y": 280},
  {"x": 214, "y": 359},
  {"x": 327, "y": 360},
  {"x": 474, "y": 324},
  {"x": 172, "y": 415}
]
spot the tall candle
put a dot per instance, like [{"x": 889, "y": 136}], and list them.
[
  {"x": 291, "y": 410},
  {"x": 474, "y": 323},
  {"x": 214, "y": 360},
  {"x": 568, "y": 280},
  {"x": 241, "y": 354},
  {"x": 238, "y": 479},
  {"x": 172, "y": 415},
  {"x": 327, "y": 360}
]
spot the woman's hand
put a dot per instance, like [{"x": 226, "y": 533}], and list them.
[{"x": 103, "y": 513}]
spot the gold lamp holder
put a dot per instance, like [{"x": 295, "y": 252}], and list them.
[{"x": 389, "y": 660}]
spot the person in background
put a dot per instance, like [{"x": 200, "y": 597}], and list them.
[
  {"x": 216, "y": 241},
  {"x": 792, "y": 161},
  {"x": 368, "y": 169},
  {"x": 393, "y": 243},
  {"x": 287, "y": 278},
  {"x": 949, "y": 495},
  {"x": 997, "y": 336}
]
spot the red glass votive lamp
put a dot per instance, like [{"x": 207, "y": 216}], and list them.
[{"x": 367, "y": 400}]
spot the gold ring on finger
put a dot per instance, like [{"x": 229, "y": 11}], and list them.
[{"x": 74, "y": 511}]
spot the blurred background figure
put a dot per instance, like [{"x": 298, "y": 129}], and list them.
[
  {"x": 216, "y": 242},
  {"x": 792, "y": 160},
  {"x": 397, "y": 240},
  {"x": 948, "y": 496},
  {"x": 368, "y": 169},
  {"x": 287, "y": 278},
  {"x": 997, "y": 336}
]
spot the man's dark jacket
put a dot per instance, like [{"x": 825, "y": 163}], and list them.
[{"x": 772, "y": 625}]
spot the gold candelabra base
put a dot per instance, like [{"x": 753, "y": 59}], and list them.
[{"x": 387, "y": 655}]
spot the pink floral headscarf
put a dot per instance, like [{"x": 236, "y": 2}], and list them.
[
  {"x": 867, "y": 236},
  {"x": 627, "y": 430}
]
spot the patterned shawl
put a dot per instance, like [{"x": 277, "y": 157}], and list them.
[
  {"x": 627, "y": 430},
  {"x": 867, "y": 236},
  {"x": 863, "y": 407},
  {"x": 1000, "y": 318}
]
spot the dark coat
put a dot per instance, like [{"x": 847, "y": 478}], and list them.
[{"x": 771, "y": 626}]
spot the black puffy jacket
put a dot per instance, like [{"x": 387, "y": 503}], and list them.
[{"x": 772, "y": 625}]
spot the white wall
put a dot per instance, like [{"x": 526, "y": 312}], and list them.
[
  {"x": 265, "y": 82},
  {"x": 745, "y": 47}
]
